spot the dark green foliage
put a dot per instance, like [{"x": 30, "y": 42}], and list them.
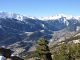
[
  {"x": 62, "y": 55},
  {"x": 42, "y": 51},
  {"x": 73, "y": 53}
]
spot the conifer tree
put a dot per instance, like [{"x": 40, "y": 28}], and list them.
[{"x": 42, "y": 50}]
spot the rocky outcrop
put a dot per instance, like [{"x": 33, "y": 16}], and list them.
[
  {"x": 7, "y": 53},
  {"x": 14, "y": 58}
]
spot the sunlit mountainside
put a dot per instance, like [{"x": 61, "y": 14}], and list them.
[{"x": 23, "y": 31}]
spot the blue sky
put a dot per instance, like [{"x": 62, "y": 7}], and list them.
[{"x": 41, "y": 8}]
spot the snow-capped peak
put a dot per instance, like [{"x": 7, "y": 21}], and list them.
[
  {"x": 15, "y": 16},
  {"x": 21, "y": 17},
  {"x": 60, "y": 16}
]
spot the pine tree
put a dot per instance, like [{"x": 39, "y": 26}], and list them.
[{"x": 42, "y": 50}]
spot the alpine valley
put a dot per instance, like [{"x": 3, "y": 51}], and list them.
[{"x": 22, "y": 32}]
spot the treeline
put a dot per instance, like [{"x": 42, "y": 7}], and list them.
[
  {"x": 68, "y": 53},
  {"x": 66, "y": 41}
]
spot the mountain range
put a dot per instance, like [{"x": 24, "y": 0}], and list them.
[
  {"x": 21, "y": 17},
  {"x": 20, "y": 28}
]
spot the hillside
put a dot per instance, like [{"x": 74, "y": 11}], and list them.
[
  {"x": 21, "y": 33},
  {"x": 70, "y": 43},
  {"x": 69, "y": 48}
]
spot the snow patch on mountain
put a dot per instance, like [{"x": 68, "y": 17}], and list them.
[
  {"x": 42, "y": 30},
  {"x": 66, "y": 22},
  {"x": 0, "y": 27},
  {"x": 43, "y": 25},
  {"x": 77, "y": 28}
]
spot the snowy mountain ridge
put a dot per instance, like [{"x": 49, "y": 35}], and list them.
[
  {"x": 60, "y": 16},
  {"x": 16, "y": 27},
  {"x": 21, "y": 17},
  {"x": 15, "y": 16}
]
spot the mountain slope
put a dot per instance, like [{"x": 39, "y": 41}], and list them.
[
  {"x": 19, "y": 28},
  {"x": 15, "y": 16},
  {"x": 60, "y": 17},
  {"x": 74, "y": 27}
]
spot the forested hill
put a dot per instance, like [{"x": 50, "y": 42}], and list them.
[
  {"x": 64, "y": 50},
  {"x": 67, "y": 50}
]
